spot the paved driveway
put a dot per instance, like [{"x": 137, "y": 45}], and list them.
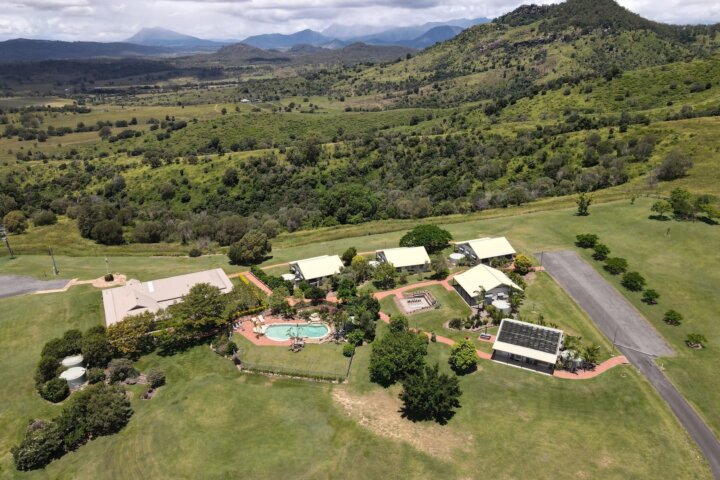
[
  {"x": 636, "y": 339},
  {"x": 615, "y": 316},
  {"x": 13, "y": 285}
]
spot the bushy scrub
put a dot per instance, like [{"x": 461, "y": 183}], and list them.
[
  {"x": 55, "y": 390},
  {"x": 155, "y": 378}
]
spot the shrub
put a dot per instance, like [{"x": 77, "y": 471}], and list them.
[
  {"x": 356, "y": 337},
  {"x": 650, "y": 296},
  {"x": 675, "y": 165},
  {"x": 398, "y": 323},
  {"x": 121, "y": 369},
  {"x": 463, "y": 358},
  {"x": 633, "y": 281},
  {"x": 695, "y": 340},
  {"x": 586, "y": 240},
  {"x": 194, "y": 253},
  {"x": 600, "y": 251},
  {"x": 583, "y": 202},
  {"x": 109, "y": 277},
  {"x": 673, "y": 317},
  {"x": 108, "y": 232},
  {"x": 616, "y": 265},
  {"x": 95, "y": 375},
  {"x": 348, "y": 349},
  {"x": 55, "y": 390},
  {"x": 456, "y": 324},
  {"x": 42, "y": 443},
  {"x": 523, "y": 265},
  {"x": 95, "y": 349},
  {"x": 348, "y": 255},
  {"x": 44, "y": 217},
  {"x": 47, "y": 369},
  {"x": 15, "y": 222},
  {"x": 155, "y": 378}
]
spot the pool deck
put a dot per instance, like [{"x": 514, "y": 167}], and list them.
[{"x": 246, "y": 330}]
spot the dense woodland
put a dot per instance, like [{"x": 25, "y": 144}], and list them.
[{"x": 544, "y": 101}]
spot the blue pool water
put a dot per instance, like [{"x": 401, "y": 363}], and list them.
[{"x": 284, "y": 331}]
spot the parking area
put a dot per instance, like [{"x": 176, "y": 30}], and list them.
[{"x": 13, "y": 285}]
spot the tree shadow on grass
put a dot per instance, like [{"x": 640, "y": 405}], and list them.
[{"x": 660, "y": 218}]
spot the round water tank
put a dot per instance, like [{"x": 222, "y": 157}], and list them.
[
  {"x": 72, "y": 361},
  {"x": 456, "y": 257},
  {"x": 288, "y": 277},
  {"x": 74, "y": 376}
]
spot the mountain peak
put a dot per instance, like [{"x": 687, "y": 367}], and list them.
[{"x": 163, "y": 37}]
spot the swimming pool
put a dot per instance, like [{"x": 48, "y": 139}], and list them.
[{"x": 284, "y": 331}]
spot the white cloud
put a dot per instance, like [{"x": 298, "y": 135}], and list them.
[{"x": 106, "y": 20}]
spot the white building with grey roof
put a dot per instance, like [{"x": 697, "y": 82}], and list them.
[{"x": 138, "y": 297}]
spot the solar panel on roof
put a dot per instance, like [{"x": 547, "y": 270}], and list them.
[{"x": 529, "y": 336}]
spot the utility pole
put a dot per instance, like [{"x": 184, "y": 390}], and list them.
[
  {"x": 3, "y": 235},
  {"x": 55, "y": 269}
]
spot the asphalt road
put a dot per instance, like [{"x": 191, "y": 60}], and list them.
[
  {"x": 13, "y": 285},
  {"x": 615, "y": 316},
  {"x": 635, "y": 337}
]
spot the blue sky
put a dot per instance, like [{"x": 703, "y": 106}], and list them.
[{"x": 112, "y": 20}]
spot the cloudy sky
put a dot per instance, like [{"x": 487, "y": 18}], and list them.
[{"x": 112, "y": 20}]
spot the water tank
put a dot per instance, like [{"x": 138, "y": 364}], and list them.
[
  {"x": 72, "y": 361},
  {"x": 288, "y": 277},
  {"x": 456, "y": 257},
  {"x": 75, "y": 377}
]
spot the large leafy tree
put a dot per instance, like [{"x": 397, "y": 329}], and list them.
[
  {"x": 203, "y": 308},
  {"x": 251, "y": 248},
  {"x": 385, "y": 275},
  {"x": 432, "y": 237},
  {"x": 349, "y": 203},
  {"x": 96, "y": 349},
  {"x": 397, "y": 355},
  {"x": 130, "y": 338},
  {"x": 430, "y": 395}
]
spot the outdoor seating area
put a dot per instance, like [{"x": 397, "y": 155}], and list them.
[{"x": 414, "y": 302}]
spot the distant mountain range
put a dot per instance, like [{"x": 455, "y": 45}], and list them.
[
  {"x": 25, "y": 50},
  {"x": 281, "y": 41},
  {"x": 157, "y": 42},
  {"x": 336, "y": 36}
]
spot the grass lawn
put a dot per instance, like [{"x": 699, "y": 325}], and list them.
[{"x": 323, "y": 359}]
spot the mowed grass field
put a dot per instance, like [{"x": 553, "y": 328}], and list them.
[{"x": 212, "y": 421}]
